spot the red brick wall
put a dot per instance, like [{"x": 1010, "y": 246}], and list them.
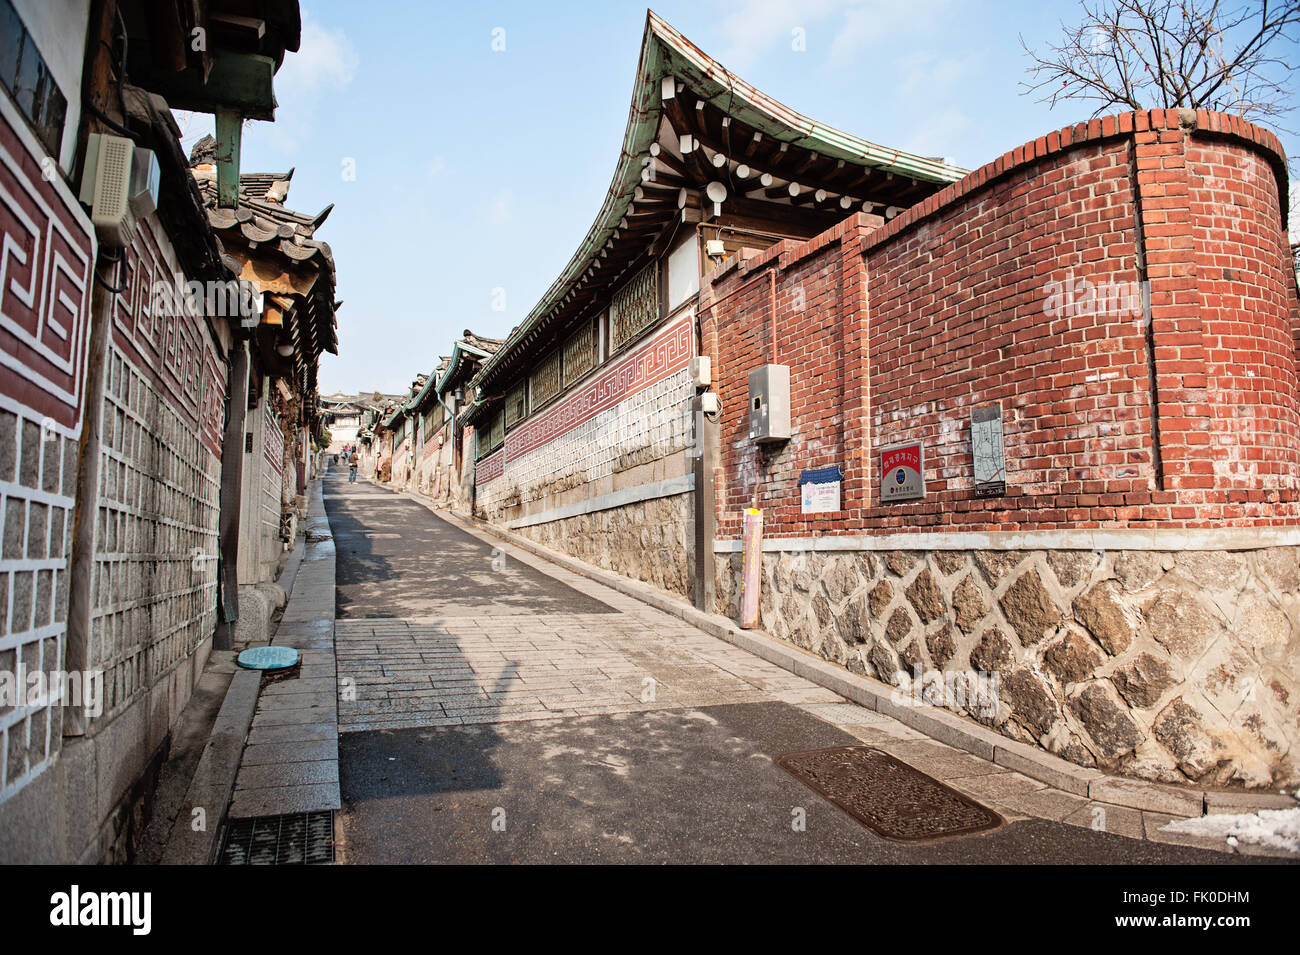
[{"x": 894, "y": 331}]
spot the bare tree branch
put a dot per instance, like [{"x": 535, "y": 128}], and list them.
[{"x": 1154, "y": 54}]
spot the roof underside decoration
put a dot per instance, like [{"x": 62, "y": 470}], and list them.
[
  {"x": 273, "y": 246},
  {"x": 701, "y": 142}
]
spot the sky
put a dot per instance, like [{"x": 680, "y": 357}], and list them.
[{"x": 468, "y": 147}]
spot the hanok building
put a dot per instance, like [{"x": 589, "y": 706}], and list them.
[
  {"x": 442, "y": 465},
  {"x": 341, "y": 416},
  {"x": 583, "y": 422},
  {"x": 1037, "y": 424},
  {"x": 121, "y": 405},
  {"x": 291, "y": 273}
]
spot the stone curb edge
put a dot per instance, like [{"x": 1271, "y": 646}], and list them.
[
  {"x": 936, "y": 723},
  {"x": 213, "y": 783}
]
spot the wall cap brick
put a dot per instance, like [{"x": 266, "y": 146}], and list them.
[{"x": 1096, "y": 130}]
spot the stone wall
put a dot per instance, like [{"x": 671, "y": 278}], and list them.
[
  {"x": 1174, "y": 666},
  {"x": 645, "y": 541}
]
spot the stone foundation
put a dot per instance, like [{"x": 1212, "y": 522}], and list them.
[
  {"x": 645, "y": 541},
  {"x": 1174, "y": 667}
]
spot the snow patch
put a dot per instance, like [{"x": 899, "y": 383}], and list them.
[{"x": 1270, "y": 828}]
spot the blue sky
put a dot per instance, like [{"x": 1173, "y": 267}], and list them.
[{"x": 456, "y": 170}]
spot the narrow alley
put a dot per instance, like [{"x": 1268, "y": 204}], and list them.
[{"x": 507, "y": 710}]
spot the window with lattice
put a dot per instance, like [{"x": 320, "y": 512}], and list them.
[
  {"x": 433, "y": 421},
  {"x": 498, "y": 430},
  {"x": 517, "y": 404},
  {"x": 635, "y": 306},
  {"x": 580, "y": 352},
  {"x": 545, "y": 382}
]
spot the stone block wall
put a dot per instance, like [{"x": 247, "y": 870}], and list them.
[
  {"x": 646, "y": 541},
  {"x": 38, "y": 471},
  {"x": 153, "y": 587},
  {"x": 1177, "y": 665}
]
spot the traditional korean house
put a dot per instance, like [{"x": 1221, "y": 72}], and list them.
[
  {"x": 289, "y": 274},
  {"x": 429, "y": 418},
  {"x": 582, "y": 419},
  {"x": 121, "y": 402},
  {"x": 451, "y": 468},
  {"x": 341, "y": 416}
]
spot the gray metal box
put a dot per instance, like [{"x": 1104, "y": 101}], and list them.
[{"x": 769, "y": 403}]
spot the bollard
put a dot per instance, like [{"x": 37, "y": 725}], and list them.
[{"x": 751, "y": 568}]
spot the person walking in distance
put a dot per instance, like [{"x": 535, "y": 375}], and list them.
[{"x": 353, "y": 461}]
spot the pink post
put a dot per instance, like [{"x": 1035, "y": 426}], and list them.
[{"x": 751, "y": 568}]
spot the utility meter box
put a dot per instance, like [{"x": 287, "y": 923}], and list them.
[{"x": 769, "y": 403}]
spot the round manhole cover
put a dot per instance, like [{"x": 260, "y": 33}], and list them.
[{"x": 268, "y": 658}]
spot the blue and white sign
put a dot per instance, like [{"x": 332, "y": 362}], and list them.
[{"x": 819, "y": 490}]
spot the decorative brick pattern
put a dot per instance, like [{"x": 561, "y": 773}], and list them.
[
  {"x": 172, "y": 350},
  {"x": 46, "y": 260},
  {"x": 665, "y": 354},
  {"x": 46, "y": 257},
  {"x": 489, "y": 469}
]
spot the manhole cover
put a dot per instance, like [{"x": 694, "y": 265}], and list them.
[
  {"x": 268, "y": 658},
  {"x": 887, "y": 796},
  {"x": 305, "y": 838}
]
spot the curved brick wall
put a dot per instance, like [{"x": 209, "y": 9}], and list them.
[
  {"x": 1170, "y": 651},
  {"x": 894, "y": 331}
]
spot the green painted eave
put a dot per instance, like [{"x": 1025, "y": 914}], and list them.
[{"x": 457, "y": 349}]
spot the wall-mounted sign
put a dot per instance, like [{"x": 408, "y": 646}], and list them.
[
  {"x": 819, "y": 490},
  {"x": 902, "y": 473},
  {"x": 987, "y": 451}
]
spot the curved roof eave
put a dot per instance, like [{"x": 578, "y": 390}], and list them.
[
  {"x": 458, "y": 348},
  {"x": 665, "y": 52}
]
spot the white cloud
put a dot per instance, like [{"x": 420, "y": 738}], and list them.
[
  {"x": 753, "y": 27},
  {"x": 866, "y": 24},
  {"x": 324, "y": 64},
  {"x": 927, "y": 75},
  {"x": 835, "y": 30}
]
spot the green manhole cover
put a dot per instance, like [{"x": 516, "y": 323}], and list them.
[{"x": 268, "y": 658}]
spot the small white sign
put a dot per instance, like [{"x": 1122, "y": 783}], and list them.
[{"x": 820, "y": 498}]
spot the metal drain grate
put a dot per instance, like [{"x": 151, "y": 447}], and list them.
[
  {"x": 887, "y": 796},
  {"x": 304, "y": 838}
]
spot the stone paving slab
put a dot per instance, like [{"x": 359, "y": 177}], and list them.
[{"x": 569, "y": 663}]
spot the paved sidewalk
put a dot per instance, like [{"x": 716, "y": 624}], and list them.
[{"x": 290, "y": 762}]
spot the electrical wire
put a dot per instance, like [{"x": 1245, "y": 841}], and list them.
[{"x": 116, "y": 261}]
